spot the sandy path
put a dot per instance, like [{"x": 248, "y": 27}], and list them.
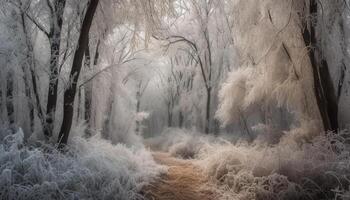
[{"x": 183, "y": 181}]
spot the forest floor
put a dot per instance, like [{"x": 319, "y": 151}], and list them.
[{"x": 183, "y": 181}]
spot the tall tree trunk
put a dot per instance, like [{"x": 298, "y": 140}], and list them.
[
  {"x": 207, "y": 112},
  {"x": 3, "y": 100},
  {"x": 107, "y": 119},
  {"x": 9, "y": 98},
  {"x": 323, "y": 86},
  {"x": 2, "y": 110},
  {"x": 88, "y": 88},
  {"x": 170, "y": 114},
  {"x": 57, "y": 11},
  {"x": 87, "y": 94},
  {"x": 181, "y": 119},
  {"x": 138, "y": 107},
  {"x": 69, "y": 94},
  {"x": 26, "y": 71},
  {"x": 31, "y": 85}
]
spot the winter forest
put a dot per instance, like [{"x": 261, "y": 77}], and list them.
[{"x": 174, "y": 99}]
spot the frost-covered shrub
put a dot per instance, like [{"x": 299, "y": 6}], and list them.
[
  {"x": 91, "y": 169},
  {"x": 315, "y": 170},
  {"x": 177, "y": 142},
  {"x": 181, "y": 143}
]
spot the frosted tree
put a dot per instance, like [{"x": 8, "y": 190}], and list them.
[
  {"x": 204, "y": 37},
  {"x": 281, "y": 62},
  {"x": 54, "y": 27}
]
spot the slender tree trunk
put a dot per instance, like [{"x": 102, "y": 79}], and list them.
[
  {"x": 170, "y": 114},
  {"x": 107, "y": 118},
  {"x": 9, "y": 98},
  {"x": 181, "y": 119},
  {"x": 29, "y": 98},
  {"x": 79, "y": 108},
  {"x": 138, "y": 107},
  {"x": 31, "y": 70},
  {"x": 343, "y": 67},
  {"x": 244, "y": 123},
  {"x": 55, "y": 41},
  {"x": 87, "y": 94},
  {"x": 323, "y": 86},
  {"x": 207, "y": 112},
  {"x": 69, "y": 94},
  {"x": 3, "y": 102},
  {"x": 26, "y": 71}
]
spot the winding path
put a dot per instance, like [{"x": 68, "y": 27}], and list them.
[{"x": 183, "y": 181}]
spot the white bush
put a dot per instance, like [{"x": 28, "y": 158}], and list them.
[
  {"x": 313, "y": 169},
  {"x": 92, "y": 169},
  {"x": 288, "y": 170}
]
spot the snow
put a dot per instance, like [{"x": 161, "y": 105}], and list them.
[{"x": 92, "y": 169}]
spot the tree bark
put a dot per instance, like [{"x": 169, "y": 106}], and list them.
[
  {"x": 207, "y": 112},
  {"x": 323, "y": 86},
  {"x": 57, "y": 11},
  {"x": 69, "y": 94},
  {"x": 170, "y": 114},
  {"x": 9, "y": 98},
  {"x": 87, "y": 96},
  {"x": 138, "y": 107},
  {"x": 181, "y": 119}
]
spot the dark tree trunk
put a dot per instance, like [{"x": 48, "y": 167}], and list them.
[
  {"x": 29, "y": 98},
  {"x": 87, "y": 100},
  {"x": 207, "y": 112},
  {"x": 55, "y": 41},
  {"x": 9, "y": 99},
  {"x": 181, "y": 119},
  {"x": 37, "y": 97},
  {"x": 138, "y": 107},
  {"x": 107, "y": 119},
  {"x": 170, "y": 114},
  {"x": 341, "y": 81},
  {"x": 323, "y": 86},
  {"x": 330, "y": 95},
  {"x": 1, "y": 103},
  {"x": 97, "y": 53},
  {"x": 69, "y": 94},
  {"x": 79, "y": 110}
]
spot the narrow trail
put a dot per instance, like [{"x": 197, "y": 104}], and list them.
[{"x": 183, "y": 181}]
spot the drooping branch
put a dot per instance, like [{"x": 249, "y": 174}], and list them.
[{"x": 193, "y": 46}]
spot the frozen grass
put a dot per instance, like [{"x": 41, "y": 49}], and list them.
[
  {"x": 92, "y": 169},
  {"x": 318, "y": 169}
]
